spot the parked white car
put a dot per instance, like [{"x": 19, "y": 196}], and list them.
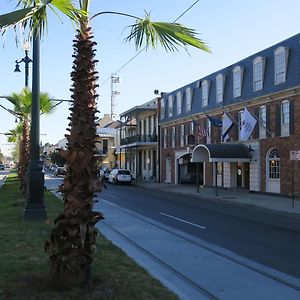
[{"x": 120, "y": 176}]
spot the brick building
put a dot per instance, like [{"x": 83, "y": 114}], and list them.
[{"x": 237, "y": 127}]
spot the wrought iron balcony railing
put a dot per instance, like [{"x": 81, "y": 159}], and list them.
[{"x": 143, "y": 138}]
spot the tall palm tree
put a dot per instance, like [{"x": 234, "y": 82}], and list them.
[
  {"x": 22, "y": 107},
  {"x": 71, "y": 243}
]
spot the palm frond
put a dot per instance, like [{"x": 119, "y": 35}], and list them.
[{"x": 169, "y": 35}]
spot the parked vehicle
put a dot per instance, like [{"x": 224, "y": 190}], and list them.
[
  {"x": 120, "y": 176},
  {"x": 59, "y": 171}
]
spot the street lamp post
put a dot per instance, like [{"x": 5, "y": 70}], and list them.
[
  {"x": 26, "y": 60},
  {"x": 35, "y": 206}
]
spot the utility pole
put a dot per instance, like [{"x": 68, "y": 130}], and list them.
[{"x": 114, "y": 92}]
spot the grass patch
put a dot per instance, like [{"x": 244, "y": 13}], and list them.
[{"x": 24, "y": 264}]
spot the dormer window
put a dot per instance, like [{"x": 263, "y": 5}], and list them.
[
  {"x": 170, "y": 106},
  {"x": 237, "y": 81},
  {"x": 219, "y": 88},
  {"x": 205, "y": 89},
  {"x": 188, "y": 97},
  {"x": 179, "y": 103},
  {"x": 258, "y": 70},
  {"x": 281, "y": 58},
  {"x": 162, "y": 109}
]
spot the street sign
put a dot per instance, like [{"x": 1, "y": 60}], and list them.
[{"x": 295, "y": 155}]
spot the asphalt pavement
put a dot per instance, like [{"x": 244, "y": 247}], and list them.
[{"x": 196, "y": 269}]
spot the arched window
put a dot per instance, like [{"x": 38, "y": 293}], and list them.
[
  {"x": 273, "y": 164},
  {"x": 170, "y": 106},
  {"x": 205, "y": 89},
  {"x": 219, "y": 88},
  {"x": 179, "y": 103},
  {"x": 188, "y": 97},
  {"x": 258, "y": 67},
  {"x": 237, "y": 81},
  {"x": 280, "y": 57}
]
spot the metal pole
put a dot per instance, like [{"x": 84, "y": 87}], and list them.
[
  {"x": 35, "y": 207},
  {"x": 27, "y": 60}
]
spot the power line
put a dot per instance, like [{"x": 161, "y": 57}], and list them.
[{"x": 129, "y": 61}]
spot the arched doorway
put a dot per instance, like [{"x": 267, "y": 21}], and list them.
[{"x": 273, "y": 171}]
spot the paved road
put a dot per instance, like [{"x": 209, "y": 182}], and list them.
[{"x": 274, "y": 247}]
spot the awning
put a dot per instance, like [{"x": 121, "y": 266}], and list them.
[{"x": 221, "y": 153}]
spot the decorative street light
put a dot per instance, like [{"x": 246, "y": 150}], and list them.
[
  {"x": 35, "y": 206},
  {"x": 25, "y": 60}
]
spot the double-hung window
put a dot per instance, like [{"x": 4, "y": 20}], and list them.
[
  {"x": 205, "y": 89},
  {"x": 280, "y": 57},
  {"x": 182, "y": 135},
  {"x": 258, "y": 66},
  {"x": 162, "y": 109},
  {"x": 165, "y": 137},
  {"x": 219, "y": 88},
  {"x": 170, "y": 106},
  {"x": 173, "y": 136},
  {"x": 237, "y": 81},
  {"x": 262, "y": 122},
  {"x": 285, "y": 118},
  {"x": 178, "y": 103},
  {"x": 188, "y": 99}
]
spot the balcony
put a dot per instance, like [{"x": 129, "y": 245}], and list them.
[{"x": 144, "y": 138}]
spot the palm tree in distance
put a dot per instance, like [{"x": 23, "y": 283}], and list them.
[
  {"x": 72, "y": 242},
  {"x": 22, "y": 107}
]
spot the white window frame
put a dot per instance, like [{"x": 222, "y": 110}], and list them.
[
  {"x": 280, "y": 64},
  {"x": 173, "y": 137},
  {"x": 258, "y": 73},
  {"x": 162, "y": 109},
  {"x": 262, "y": 121},
  {"x": 285, "y": 118},
  {"x": 182, "y": 135},
  {"x": 188, "y": 98},
  {"x": 192, "y": 127},
  {"x": 205, "y": 92},
  {"x": 273, "y": 164},
  {"x": 220, "y": 80},
  {"x": 170, "y": 106},
  {"x": 165, "y": 137},
  {"x": 178, "y": 103},
  {"x": 237, "y": 81}
]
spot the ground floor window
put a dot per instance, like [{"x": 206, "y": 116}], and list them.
[{"x": 274, "y": 164}]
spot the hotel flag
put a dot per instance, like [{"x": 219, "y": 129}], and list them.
[
  {"x": 214, "y": 121},
  {"x": 227, "y": 124},
  {"x": 247, "y": 125}
]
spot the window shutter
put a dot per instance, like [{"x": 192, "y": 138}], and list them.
[
  {"x": 268, "y": 121},
  {"x": 277, "y": 120},
  {"x": 256, "y": 128},
  {"x": 236, "y": 127},
  {"x": 291, "y": 117}
]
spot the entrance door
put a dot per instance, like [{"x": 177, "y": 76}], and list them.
[{"x": 273, "y": 171}]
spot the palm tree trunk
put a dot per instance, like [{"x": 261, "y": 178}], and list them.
[
  {"x": 24, "y": 155},
  {"x": 72, "y": 241}
]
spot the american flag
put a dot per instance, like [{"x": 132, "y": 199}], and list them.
[{"x": 202, "y": 131}]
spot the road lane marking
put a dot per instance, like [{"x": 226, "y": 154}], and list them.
[{"x": 184, "y": 221}]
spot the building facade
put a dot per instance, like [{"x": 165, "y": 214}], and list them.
[
  {"x": 203, "y": 125},
  {"x": 139, "y": 141}
]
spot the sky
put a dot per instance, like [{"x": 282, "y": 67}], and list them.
[{"x": 233, "y": 30}]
